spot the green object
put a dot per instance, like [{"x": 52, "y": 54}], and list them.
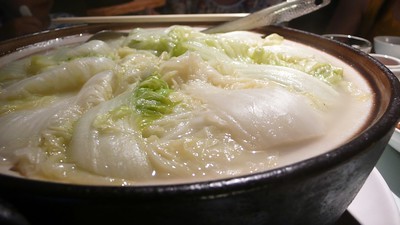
[{"x": 151, "y": 100}]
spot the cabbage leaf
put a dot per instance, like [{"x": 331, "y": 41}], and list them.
[{"x": 179, "y": 39}]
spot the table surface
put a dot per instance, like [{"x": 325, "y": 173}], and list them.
[{"x": 389, "y": 167}]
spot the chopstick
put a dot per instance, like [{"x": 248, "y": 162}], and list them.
[{"x": 166, "y": 18}]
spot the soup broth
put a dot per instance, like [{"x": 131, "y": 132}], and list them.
[{"x": 168, "y": 105}]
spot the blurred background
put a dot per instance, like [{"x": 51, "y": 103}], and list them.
[{"x": 364, "y": 18}]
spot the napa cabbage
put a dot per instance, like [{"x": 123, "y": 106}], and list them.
[
  {"x": 165, "y": 103},
  {"x": 49, "y": 127},
  {"x": 67, "y": 77},
  {"x": 150, "y": 100},
  {"x": 177, "y": 40}
]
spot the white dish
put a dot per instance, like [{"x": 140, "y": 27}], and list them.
[
  {"x": 394, "y": 141},
  {"x": 392, "y": 63},
  {"x": 387, "y": 45},
  {"x": 375, "y": 203},
  {"x": 353, "y": 41}
]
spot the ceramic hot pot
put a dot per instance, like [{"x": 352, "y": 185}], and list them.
[{"x": 313, "y": 191}]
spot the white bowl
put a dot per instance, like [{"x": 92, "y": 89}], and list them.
[
  {"x": 392, "y": 63},
  {"x": 387, "y": 45},
  {"x": 353, "y": 41}
]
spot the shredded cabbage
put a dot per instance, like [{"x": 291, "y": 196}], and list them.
[{"x": 150, "y": 100}]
